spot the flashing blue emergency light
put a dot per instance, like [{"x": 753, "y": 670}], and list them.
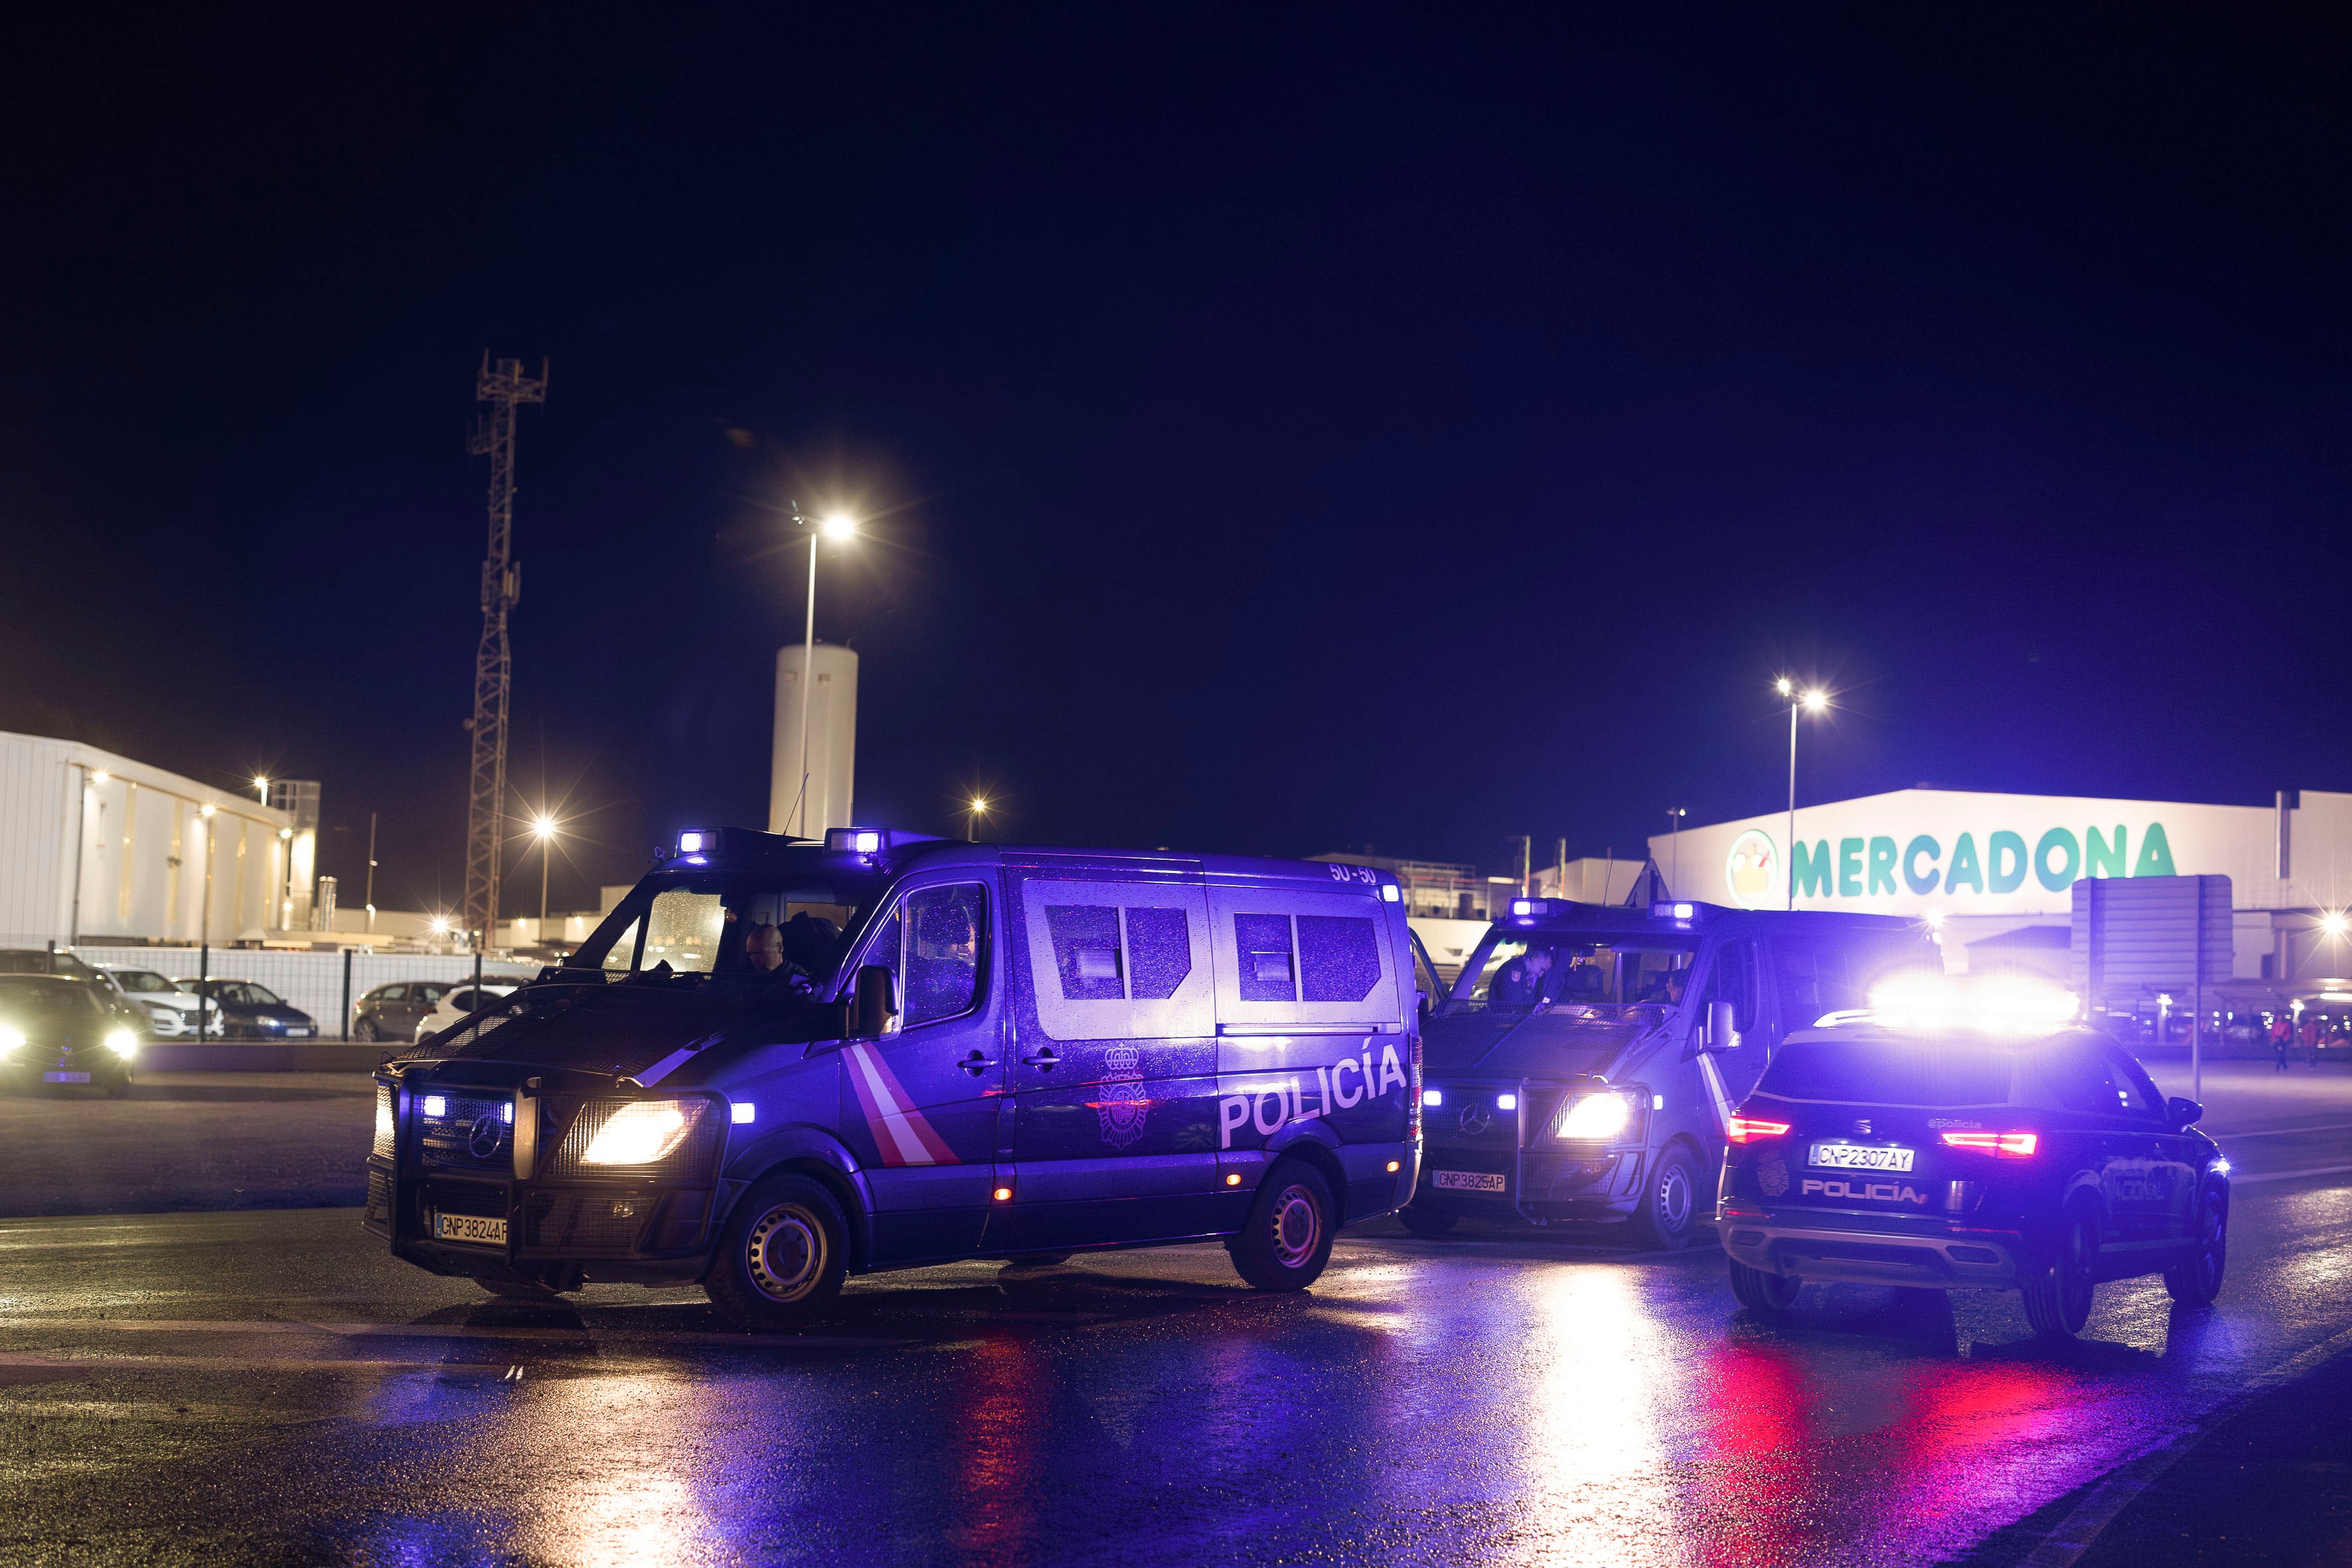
[
  {"x": 1530, "y": 907},
  {"x": 856, "y": 840},
  {"x": 434, "y": 1105},
  {"x": 691, "y": 841},
  {"x": 1388, "y": 892},
  {"x": 1672, "y": 911},
  {"x": 741, "y": 1113},
  {"x": 1432, "y": 1096},
  {"x": 506, "y": 1113}
]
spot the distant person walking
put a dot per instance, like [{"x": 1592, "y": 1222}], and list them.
[
  {"x": 2311, "y": 1039},
  {"x": 2282, "y": 1040}
]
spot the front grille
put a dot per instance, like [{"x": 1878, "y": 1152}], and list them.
[
  {"x": 381, "y": 1148},
  {"x": 379, "y": 1200},
  {"x": 692, "y": 1161},
  {"x": 466, "y": 1197},
  {"x": 585, "y": 1222},
  {"x": 470, "y": 1134}
]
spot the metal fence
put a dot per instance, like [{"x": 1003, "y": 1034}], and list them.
[{"x": 320, "y": 983}]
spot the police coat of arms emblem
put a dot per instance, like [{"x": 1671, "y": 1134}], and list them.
[{"x": 1120, "y": 1103}]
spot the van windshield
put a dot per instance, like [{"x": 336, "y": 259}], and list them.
[
  {"x": 716, "y": 922},
  {"x": 1596, "y": 975}
]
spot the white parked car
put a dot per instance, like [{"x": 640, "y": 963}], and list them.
[
  {"x": 171, "y": 1010},
  {"x": 458, "y": 1001}
]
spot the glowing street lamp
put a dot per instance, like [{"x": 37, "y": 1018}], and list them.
[
  {"x": 840, "y": 527},
  {"x": 261, "y": 788},
  {"x": 542, "y": 829},
  {"x": 974, "y": 810},
  {"x": 1814, "y": 699}
]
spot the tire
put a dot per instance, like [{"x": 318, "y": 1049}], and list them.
[
  {"x": 365, "y": 1032},
  {"x": 518, "y": 1289},
  {"x": 1427, "y": 1222},
  {"x": 2196, "y": 1280},
  {"x": 2058, "y": 1294},
  {"x": 1668, "y": 1218},
  {"x": 1286, "y": 1240},
  {"x": 783, "y": 1258},
  {"x": 1766, "y": 1295},
  {"x": 120, "y": 1089}
]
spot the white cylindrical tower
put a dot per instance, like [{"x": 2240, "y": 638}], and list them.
[{"x": 832, "y": 743}]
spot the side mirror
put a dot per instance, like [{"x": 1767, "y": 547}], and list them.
[
  {"x": 2183, "y": 1112},
  {"x": 874, "y": 1003},
  {"x": 1722, "y": 1026}
]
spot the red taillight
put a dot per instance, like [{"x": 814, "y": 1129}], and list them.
[
  {"x": 1748, "y": 1129},
  {"x": 1999, "y": 1145}
]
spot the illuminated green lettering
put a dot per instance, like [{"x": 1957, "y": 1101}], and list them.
[
  {"x": 2155, "y": 853},
  {"x": 2098, "y": 859},
  {"x": 1849, "y": 868},
  {"x": 1811, "y": 872},
  {"x": 2006, "y": 877},
  {"x": 1881, "y": 865},
  {"x": 2057, "y": 838},
  {"x": 1923, "y": 845},
  {"x": 1965, "y": 872}
]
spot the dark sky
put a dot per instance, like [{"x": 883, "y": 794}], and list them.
[{"x": 1283, "y": 431}]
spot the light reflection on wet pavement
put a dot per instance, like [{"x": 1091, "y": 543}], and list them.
[{"x": 1499, "y": 1398}]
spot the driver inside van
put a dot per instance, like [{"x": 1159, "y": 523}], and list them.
[{"x": 1519, "y": 982}]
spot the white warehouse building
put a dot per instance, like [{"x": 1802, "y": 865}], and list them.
[
  {"x": 96, "y": 847},
  {"x": 1999, "y": 870}
]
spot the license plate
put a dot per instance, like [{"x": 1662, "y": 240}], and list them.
[
  {"x": 1862, "y": 1157},
  {"x": 477, "y": 1229},
  {"x": 65, "y": 1078},
  {"x": 297, "y": 1034},
  {"x": 1468, "y": 1180}
]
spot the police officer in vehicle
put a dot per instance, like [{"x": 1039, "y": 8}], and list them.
[{"x": 1518, "y": 985}]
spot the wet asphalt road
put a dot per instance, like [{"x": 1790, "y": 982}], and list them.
[{"x": 270, "y": 1387}]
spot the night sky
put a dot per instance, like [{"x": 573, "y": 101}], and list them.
[{"x": 1281, "y": 432}]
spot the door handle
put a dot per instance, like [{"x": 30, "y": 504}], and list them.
[
  {"x": 1045, "y": 1060},
  {"x": 976, "y": 1064}
]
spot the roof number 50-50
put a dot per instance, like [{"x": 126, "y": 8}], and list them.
[{"x": 1354, "y": 874}]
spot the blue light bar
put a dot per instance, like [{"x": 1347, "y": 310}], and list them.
[
  {"x": 1673, "y": 911},
  {"x": 857, "y": 840},
  {"x": 1530, "y": 907},
  {"x": 691, "y": 841}
]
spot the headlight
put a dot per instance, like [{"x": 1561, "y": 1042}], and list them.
[
  {"x": 642, "y": 1132},
  {"x": 122, "y": 1042},
  {"x": 1596, "y": 1118},
  {"x": 11, "y": 1041}
]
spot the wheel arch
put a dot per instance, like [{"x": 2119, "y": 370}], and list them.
[
  {"x": 1312, "y": 1151},
  {"x": 811, "y": 1151}
]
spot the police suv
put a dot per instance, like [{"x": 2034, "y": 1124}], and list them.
[
  {"x": 1952, "y": 1137},
  {"x": 1586, "y": 1062},
  {"x": 780, "y": 1061}
]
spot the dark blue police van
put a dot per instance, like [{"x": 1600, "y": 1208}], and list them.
[
  {"x": 782, "y": 1062},
  {"x": 1585, "y": 1065}
]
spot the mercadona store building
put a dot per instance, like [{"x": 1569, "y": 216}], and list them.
[{"x": 1994, "y": 875}]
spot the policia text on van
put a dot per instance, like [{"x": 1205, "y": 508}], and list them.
[
  {"x": 1587, "y": 1062},
  {"x": 780, "y": 1061}
]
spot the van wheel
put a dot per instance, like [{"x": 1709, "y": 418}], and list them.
[
  {"x": 1668, "y": 1217},
  {"x": 1427, "y": 1222},
  {"x": 783, "y": 1258},
  {"x": 120, "y": 1089},
  {"x": 1288, "y": 1238},
  {"x": 2058, "y": 1296},
  {"x": 1766, "y": 1295},
  {"x": 2196, "y": 1280}
]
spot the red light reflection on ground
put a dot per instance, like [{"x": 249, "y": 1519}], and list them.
[
  {"x": 993, "y": 1484},
  {"x": 1757, "y": 1472}
]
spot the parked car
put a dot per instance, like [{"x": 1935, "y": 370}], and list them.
[
  {"x": 43, "y": 960},
  {"x": 456, "y": 1003},
  {"x": 59, "y": 1028},
  {"x": 170, "y": 1005},
  {"x": 392, "y": 1012},
  {"x": 254, "y": 1011}
]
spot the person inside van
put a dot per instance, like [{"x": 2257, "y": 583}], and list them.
[
  {"x": 764, "y": 949},
  {"x": 1518, "y": 985}
]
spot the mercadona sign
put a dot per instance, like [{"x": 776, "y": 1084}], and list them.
[{"x": 1917, "y": 851}]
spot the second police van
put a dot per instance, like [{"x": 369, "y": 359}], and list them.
[
  {"x": 1587, "y": 1061},
  {"x": 778, "y": 1062}
]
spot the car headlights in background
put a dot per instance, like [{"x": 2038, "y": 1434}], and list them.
[
  {"x": 1595, "y": 1118},
  {"x": 642, "y": 1132},
  {"x": 11, "y": 1040},
  {"x": 122, "y": 1043}
]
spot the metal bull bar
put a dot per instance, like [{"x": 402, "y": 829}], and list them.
[{"x": 1554, "y": 1091}]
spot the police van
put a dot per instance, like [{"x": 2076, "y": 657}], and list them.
[
  {"x": 779, "y": 1061},
  {"x": 1585, "y": 1064}
]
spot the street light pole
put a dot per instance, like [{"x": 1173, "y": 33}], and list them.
[
  {"x": 840, "y": 525},
  {"x": 978, "y": 809},
  {"x": 1812, "y": 701},
  {"x": 543, "y": 829}
]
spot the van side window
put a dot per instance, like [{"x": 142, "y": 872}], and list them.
[
  {"x": 943, "y": 927},
  {"x": 1085, "y": 949},
  {"x": 1262, "y": 943},
  {"x": 1338, "y": 958},
  {"x": 1160, "y": 951},
  {"x": 1733, "y": 980}
]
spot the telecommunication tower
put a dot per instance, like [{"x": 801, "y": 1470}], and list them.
[{"x": 494, "y": 436}]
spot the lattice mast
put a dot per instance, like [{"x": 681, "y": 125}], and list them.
[{"x": 494, "y": 436}]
